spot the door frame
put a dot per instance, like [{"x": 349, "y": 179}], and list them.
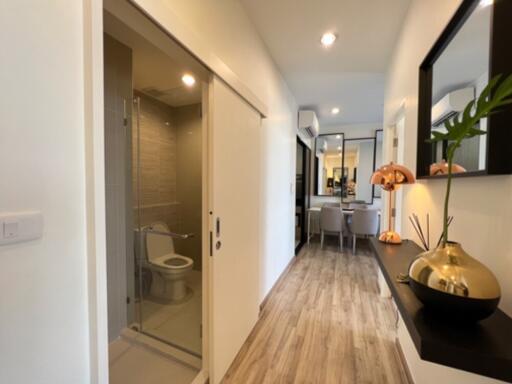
[
  {"x": 94, "y": 163},
  {"x": 306, "y": 172}
]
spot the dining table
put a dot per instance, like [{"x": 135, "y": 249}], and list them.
[{"x": 347, "y": 212}]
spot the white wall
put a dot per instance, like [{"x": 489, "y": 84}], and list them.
[
  {"x": 224, "y": 27},
  {"x": 482, "y": 206},
  {"x": 43, "y": 297}
]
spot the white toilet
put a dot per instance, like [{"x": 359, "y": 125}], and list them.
[{"x": 168, "y": 268}]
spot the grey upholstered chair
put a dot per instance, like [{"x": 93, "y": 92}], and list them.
[
  {"x": 365, "y": 222},
  {"x": 332, "y": 222}
]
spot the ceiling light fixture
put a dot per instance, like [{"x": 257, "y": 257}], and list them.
[
  {"x": 328, "y": 39},
  {"x": 188, "y": 80},
  {"x": 335, "y": 110},
  {"x": 338, "y": 136}
]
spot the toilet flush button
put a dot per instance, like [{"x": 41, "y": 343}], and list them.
[{"x": 17, "y": 227}]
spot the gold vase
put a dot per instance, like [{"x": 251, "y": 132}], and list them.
[{"x": 449, "y": 281}]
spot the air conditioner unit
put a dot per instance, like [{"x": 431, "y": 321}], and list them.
[
  {"x": 308, "y": 124},
  {"x": 451, "y": 104}
]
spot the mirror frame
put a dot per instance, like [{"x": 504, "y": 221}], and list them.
[
  {"x": 315, "y": 161},
  {"x": 373, "y": 163},
  {"x": 499, "y": 130},
  {"x": 375, "y": 160},
  {"x": 315, "y": 165}
]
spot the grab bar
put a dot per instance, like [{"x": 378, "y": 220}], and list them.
[{"x": 170, "y": 234}]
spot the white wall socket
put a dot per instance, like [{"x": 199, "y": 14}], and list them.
[{"x": 17, "y": 227}]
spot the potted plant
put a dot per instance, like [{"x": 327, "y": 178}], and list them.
[{"x": 447, "y": 278}]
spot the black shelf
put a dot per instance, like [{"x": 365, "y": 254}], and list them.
[{"x": 484, "y": 348}]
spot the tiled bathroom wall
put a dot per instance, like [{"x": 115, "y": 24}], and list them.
[
  {"x": 157, "y": 163},
  {"x": 170, "y": 170}
]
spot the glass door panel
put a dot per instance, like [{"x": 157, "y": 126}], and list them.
[{"x": 167, "y": 185}]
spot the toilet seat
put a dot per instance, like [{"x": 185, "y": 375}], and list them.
[{"x": 166, "y": 262}]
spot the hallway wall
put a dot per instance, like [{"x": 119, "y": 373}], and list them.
[
  {"x": 482, "y": 206},
  {"x": 224, "y": 27},
  {"x": 44, "y": 326}
]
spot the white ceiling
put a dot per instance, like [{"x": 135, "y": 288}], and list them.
[{"x": 351, "y": 73}]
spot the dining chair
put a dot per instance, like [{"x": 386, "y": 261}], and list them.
[
  {"x": 332, "y": 222},
  {"x": 365, "y": 222}
]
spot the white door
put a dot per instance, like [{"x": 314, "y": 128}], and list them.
[{"x": 234, "y": 131}]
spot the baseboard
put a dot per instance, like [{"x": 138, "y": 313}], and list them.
[
  {"x": 403, "y": 361},
  {"x": 278, "y": 281}
]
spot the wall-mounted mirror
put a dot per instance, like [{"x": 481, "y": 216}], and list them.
[
  {"x": 358, "y": 166},
  {"x": 328, "y": 164},
  {"x": 343, "y": 167},
  {"x": 379, "y": 137},
  {"x": 470, "y": 51}
]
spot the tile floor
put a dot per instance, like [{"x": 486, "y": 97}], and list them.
[
  {"x": 132, "y": 363},
  {"x": 178, "y": 324}
]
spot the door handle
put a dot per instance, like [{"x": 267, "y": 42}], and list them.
[{"x": 218, "y": 244}]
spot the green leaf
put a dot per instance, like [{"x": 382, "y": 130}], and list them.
[{"x": 438, "y": 136}]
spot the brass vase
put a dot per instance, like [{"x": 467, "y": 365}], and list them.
[{"x": 450, "y": 282}]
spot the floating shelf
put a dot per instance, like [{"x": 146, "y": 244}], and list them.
[{"x": 484, "y": 348}]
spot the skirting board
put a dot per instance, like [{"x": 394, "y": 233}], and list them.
[{"x": 279, "y": 280}]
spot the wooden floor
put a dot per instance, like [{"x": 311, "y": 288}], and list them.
[{"x": 323, "y": 323}]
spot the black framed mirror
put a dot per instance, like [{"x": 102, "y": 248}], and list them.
[
  {"x": 379, "y": 158},
  {"x": 473, "y": 48},
  {"x": 328, "y": 164},
  {"x": 343, "y": 167},
  {"x": 358, "y": 167}
]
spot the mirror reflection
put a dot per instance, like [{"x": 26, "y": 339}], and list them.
[
  {"x": 328, "y": 164},
  {"x": 459, "y": 75},
  {"x": 379, "y": 136},
  {"x": 358, "y": 169}
]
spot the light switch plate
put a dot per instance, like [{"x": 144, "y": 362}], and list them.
[{"x": 17, "y": 227}]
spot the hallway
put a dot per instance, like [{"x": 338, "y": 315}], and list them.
[{"x": 323, "y": 323}]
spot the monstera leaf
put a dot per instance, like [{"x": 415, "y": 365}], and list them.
[{"x": 496, "y": 95}]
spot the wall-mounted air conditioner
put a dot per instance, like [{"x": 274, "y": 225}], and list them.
[
  {"x": 308, "y": 124},
  {"x": 451, "y": 104}
]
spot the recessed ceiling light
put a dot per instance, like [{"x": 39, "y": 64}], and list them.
[
  {"x": 338, "y": 136},
  {"x": 485, "y": 3},
  {"x": 188, "y": 80},
  {"x": 335, "y": 110},
  {"x": 328, "y": 39}
]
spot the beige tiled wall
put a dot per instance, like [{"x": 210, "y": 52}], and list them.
[
  {"x": 170, "y": 170},
  {"x": 157, "y": 163}
]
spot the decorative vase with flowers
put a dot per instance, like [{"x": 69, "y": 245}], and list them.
[{"x": 446, "y": 278}]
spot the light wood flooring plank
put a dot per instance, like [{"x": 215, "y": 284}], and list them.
[{"x": 324, "y": 323}]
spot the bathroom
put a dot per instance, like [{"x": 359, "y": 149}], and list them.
[{"x": 154, "y": 194}]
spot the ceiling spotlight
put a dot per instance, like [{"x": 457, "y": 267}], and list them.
[
  {"x": 335, "y": 110},
  {"x": 188, "y": 80},
  {"x": 485, "y": 3},
  {"x": 328, "y": 39}
]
